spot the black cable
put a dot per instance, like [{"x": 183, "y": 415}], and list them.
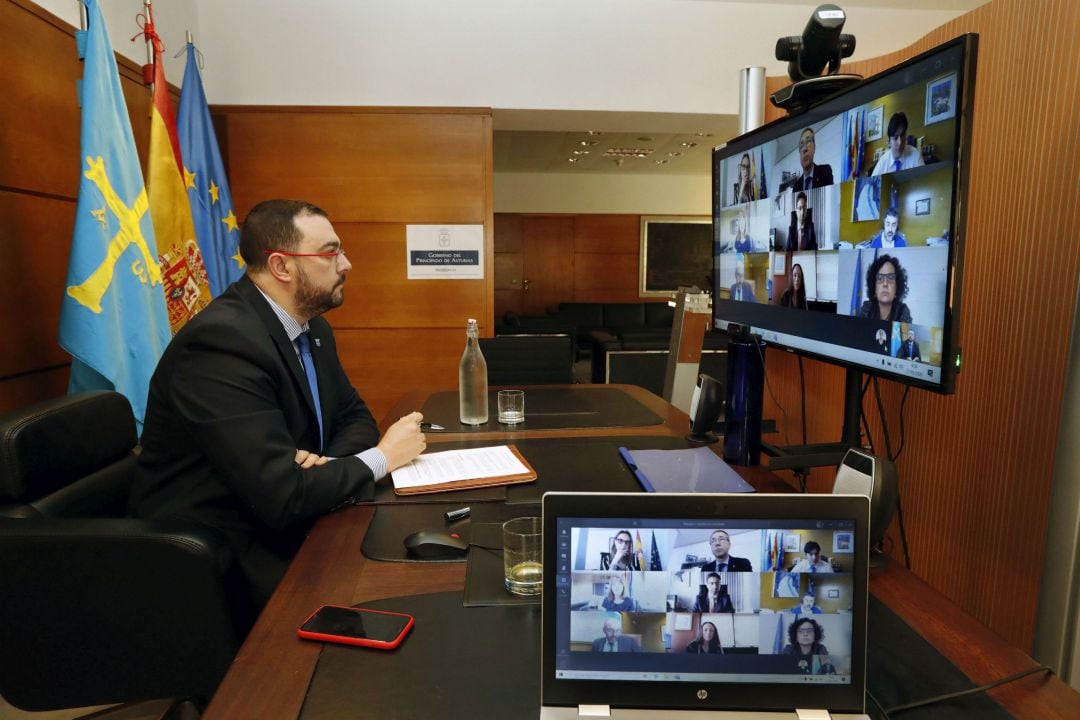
[
  {"x": 971, "y": 691},
  {"x": 903, "y": 401},
  {"x": 802, "y": 397},
  {"x": 891, "y": 457}
]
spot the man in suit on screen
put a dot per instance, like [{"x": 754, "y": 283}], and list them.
[
  {"x": 720, "y": 544},
  {"x": 813, "y": 175},
  {"x": 613, "y": 641},
  {"x": 252, "y": 427}
]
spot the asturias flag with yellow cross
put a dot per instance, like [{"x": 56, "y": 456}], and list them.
[{"x": 113, "y": 319}]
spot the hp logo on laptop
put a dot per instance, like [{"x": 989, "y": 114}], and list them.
[{"x": 702, "y": 694}]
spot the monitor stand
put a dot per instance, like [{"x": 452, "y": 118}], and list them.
[{"x": 795, "y": 457}]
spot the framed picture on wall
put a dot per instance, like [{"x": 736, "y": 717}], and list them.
[
  {"x": 940, "y": 99},
  {"x": 874, "y": 119},
  {"x": 675, "y": 252},
  {"x": 843, "y": 542},
  {"x": 792, "y": 542},
  {"x": 922, "y": 206}
]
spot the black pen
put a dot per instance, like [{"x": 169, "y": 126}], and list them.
[{"x": 430, "y": 426}]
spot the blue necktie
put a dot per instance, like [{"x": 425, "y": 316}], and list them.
[
  {"x": 308, "y": 362},
  {"x": 896, "y": 166}
]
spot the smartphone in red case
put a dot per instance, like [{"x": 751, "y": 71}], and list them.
[{"x": 357, "y": 626}]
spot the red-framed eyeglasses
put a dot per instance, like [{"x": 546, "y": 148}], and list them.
[{"x": 334, "y": 254}]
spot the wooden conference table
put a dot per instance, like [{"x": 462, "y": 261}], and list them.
[{"x": 270, "y": 675}]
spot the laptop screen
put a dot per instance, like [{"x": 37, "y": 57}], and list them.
[{"x": 762, "y": 591}]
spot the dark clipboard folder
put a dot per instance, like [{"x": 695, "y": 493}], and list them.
[{"x": 691, "y": 470}]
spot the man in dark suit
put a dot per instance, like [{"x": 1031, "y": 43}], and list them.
[
  {"x": 812, "y": 175},
  {"x": 740, "y": 289},
  {"x": 909, "y": 350},
  {"x": 235, "y": 437},
  {"x": 801, "y": 232},
  {"x": 613, "y": 641},
  {"x": 720, "y": 544}
]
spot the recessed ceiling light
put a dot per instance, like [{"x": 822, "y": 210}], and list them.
[
  {"x": 644, "y": 139},
  {"x": 674, "y": 154},
  {"x": 689, "y": 144},
  {"x": 572, "y": 159},
  {"x": 594, "y": 132},
  {"x": 628, "y": 152},
  {"x": 587, "y": 143},
  {"x": 661, "y": 162},
  {"x": 581, "y": 152}
]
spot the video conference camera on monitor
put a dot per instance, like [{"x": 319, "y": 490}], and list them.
[{"x": 820, "y": 46}]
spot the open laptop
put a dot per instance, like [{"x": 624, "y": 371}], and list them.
[{"x": 712, "y": 606}]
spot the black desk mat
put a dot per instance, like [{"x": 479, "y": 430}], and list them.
[
  {"x": 455, "y": 663},
  {"x": 582, "y": 463},
  {"x": 902, "y": 667},
  {"x": 392, "y": 523},
  {"x": 484, "y": 578},
  {"x": 549, "y": 408},
  {"x": 484, "y": 662}
]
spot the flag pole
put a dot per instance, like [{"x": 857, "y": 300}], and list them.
[
  {"x": 84, "y": 22},
  {"x": 148, "y": 36}
]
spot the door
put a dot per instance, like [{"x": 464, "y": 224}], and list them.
[{"x": 534, "y": 263}]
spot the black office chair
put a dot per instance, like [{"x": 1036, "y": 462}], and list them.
[
  {"x": 96, "y": 608},
  {"x": 529, "y": 359}
]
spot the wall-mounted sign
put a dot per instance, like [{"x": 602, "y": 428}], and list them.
[{"x": 445, "y": 252}]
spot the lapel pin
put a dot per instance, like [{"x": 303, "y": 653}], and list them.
[{"x": 318, "y": 343}]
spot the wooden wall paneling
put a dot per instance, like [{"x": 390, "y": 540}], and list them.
[
  {"x": 39, "y": 177},
  {"x": 602, "y": 277},
  {"x": 363, "y": 166},
  {"x": 548, "y": 250},
  {"x": 35, "y": 239},
  {"x": 41, "y": 384},
  {"x": 976, "y": 466},
  {"x": 378, "y": 293},
  {"x": 383, "y": 364},
  {"x": 509, "y": 264},
  {"x": 607, "y": 234}
]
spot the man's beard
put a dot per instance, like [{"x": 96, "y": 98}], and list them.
[{"x": 312, "y": 301}]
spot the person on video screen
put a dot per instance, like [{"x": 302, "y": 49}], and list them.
[
  {"x": 812, "y": 175},
  {"x": 808, "y": 606},
  {"x": 616, "y": 598},
  {"x": 795, "y": 294},
  {"x": 886, "y": 288},
  {"x": 801, "y": 233},
  {"x": 805, "y": 637},
  {"x": 744, "y": 186},
  {"x": 613, "y": 641},
  {"x": 909, "y": 349},
  {"x": 707, "y": 641},
  {"x": 741, "y": 290},
  {"x": 714, "y": 597},
  {"x": 890, "y": 235},
  {"x": 900, "y": 155},
  {"x": 882, "y": 342},
  {"x": 720, "y": 544},
  {"x": 743, "y": 243},
  {"x": 620, "y": 555},
  {"x": 812, "y": 561}
]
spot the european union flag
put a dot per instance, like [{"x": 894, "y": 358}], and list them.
[
  {"x": 113, "y": 319},
  {"x": 208, "y": 188}
]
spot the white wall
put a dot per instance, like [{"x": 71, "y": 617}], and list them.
[
  {"x": 603, "y": 193},
  {"x": 173, "y": 18}
]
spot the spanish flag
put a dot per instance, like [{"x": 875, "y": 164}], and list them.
[{"x": 187, "y": 286}]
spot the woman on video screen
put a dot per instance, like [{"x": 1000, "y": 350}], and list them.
[
  {"x": 795, "y": 295},
  {"x": 886, "y": 288}
]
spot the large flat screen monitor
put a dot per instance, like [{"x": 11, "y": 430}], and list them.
[{"x": 839, "y": 233}]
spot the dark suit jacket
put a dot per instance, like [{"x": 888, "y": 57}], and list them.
[
  {"x": 909, "y": 353},
  {"x": 229, "y": 405},
  {"x": 734, "y": 564},
  {"x": 701, "y": 603},
  {"x": 822, "y": 177},
  {"x": 623, "y": 643},
  {"x": 810, "y": 239}
]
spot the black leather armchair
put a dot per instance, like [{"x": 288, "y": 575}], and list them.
[{"x": 97, "y": 608}]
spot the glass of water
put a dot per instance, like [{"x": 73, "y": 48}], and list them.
[
  {"x": 522, "y": 553},
  {"x": 511, "y": 406}
]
